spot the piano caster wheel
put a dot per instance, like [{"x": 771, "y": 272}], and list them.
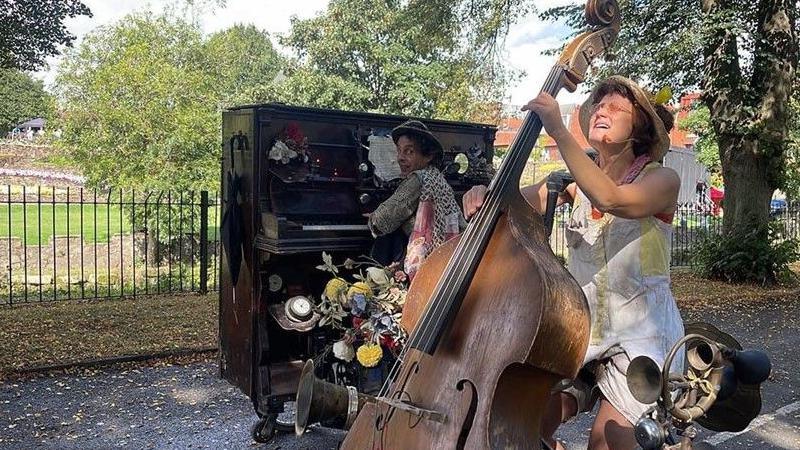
[{"x": 264, "y": 430}]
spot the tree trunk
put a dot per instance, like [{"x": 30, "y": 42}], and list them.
[{"x": 747, "y": 187}]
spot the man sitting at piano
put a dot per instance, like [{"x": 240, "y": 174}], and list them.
[{"x": 422, "y": 213}]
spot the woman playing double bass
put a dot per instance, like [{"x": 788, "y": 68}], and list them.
[{"x": 619, "y": 248}]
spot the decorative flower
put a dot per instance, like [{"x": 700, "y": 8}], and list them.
[
  {"x": 367, "y": 310},
  {"x": 343, "y": 350},
  {"x": 359, "y": 288},
  {"x": 377, "y": 276},
  {"x": 369, "y": 355},
  {"x": 388, "y": 342},
  {"x": 400, "y": 276},
  {"x": 294, "y": 133},
  {"x": 281, "y": 152},
  {"x": 358, "y": 304},
  {"x": 335, "y": 288}
]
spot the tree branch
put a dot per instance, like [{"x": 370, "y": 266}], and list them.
[
  {"x": 774, "y": 66},
  {"x": 722, "y": 82}
]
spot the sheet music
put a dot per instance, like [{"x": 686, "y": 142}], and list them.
[{"x": 383, "y": 155}]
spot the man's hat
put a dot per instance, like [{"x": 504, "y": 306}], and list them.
[
  {"x": 661, "y": 143},
  {"x": 733, "y": 413},
  {"x": 417, "y": 128}
]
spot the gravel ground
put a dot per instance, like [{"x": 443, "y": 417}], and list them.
[
  {"x": 189, "y": 406},
  {"x": 171, "y": 407}
]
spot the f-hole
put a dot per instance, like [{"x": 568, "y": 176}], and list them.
[{"x": 466, "y": 426}]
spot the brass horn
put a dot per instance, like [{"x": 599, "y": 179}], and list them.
[
  {"x": 319, "y": 400},
  {"x": 644, "y": 379}
]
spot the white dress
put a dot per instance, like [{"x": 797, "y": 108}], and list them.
[{"x": 623, "y": 267}]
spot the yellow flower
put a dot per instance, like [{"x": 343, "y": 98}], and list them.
[
  {"x": 334, "y": 288},
  {"x": 369, "y": 355},
  {"x": 359, "y": 288}
]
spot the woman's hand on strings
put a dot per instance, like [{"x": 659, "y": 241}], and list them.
[
  {"x": 473, "y": 200},
  {"x": 546, "y": 107}
]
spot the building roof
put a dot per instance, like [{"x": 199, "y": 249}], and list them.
[{"x": 33, "y": 123}]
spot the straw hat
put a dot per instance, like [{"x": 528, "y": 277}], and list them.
[{"x": 660, "y": 145}]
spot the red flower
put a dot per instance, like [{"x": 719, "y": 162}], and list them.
[
  {"x": 294, "y": 133},
  {"x": 388, "y": 342}
]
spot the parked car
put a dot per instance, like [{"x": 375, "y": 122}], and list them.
[{"x": 777, "y": 206}]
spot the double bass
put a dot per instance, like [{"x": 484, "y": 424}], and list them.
[{"x": 497, "y": 320}]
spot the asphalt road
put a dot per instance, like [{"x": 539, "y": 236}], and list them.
[{"x": 188, "y": 406}]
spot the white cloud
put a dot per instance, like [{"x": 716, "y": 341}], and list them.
[{"x": 527, "y": 41}]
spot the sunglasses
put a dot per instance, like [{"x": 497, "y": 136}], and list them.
[{"x": 612, "y": 108}]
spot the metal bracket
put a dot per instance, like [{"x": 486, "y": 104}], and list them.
[{"x": 414, "y": 410}]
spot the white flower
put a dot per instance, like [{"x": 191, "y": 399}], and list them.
[
  {"x": 377, "y": 276},
  {"x": 281, "y": 152},
  {"x": 343, "y": 351}
]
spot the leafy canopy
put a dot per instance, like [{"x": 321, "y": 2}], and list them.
[
  {"x": 31, "y": 30},
  {"x": 22, "y": 98},
  {"x": 387, "y": 56},
  {"x": 142, "y": 99}
]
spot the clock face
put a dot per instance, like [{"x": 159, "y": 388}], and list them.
[
  {"x": 300, "y": 307},
  {"x": 275, "y": 282}
]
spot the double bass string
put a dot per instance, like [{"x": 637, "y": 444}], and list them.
[
  {"x": 470, "y": 244},
  {"x": 449, "y": 285}
]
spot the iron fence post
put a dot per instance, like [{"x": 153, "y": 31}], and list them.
[{"x": 203, "y": 242}]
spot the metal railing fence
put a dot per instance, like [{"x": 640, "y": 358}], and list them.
[{"x": 62, "y": 243}]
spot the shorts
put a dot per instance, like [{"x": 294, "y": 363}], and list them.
[{"x": 606, "y": 377}]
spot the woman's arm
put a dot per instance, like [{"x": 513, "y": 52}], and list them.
[
  {"x": 392, "y": 213},
  {"x": 535, "y": 194},
  {"x": 656, "y": 192}
]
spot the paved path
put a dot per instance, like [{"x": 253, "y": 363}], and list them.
[{"x": 177, "y": 407}]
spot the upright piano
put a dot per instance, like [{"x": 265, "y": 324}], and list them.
[{"x": 308, "y": 177}]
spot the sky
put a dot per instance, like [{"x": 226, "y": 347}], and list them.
[{"x": 522, "y": 50}]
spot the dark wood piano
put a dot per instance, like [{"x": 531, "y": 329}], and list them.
[{"x": 308, "y": 177}]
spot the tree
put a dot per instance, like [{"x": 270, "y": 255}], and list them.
[
  {"x": 31, "y": 30},
  {"x": 138, "y": 105},
  {"x": 245, "y": 63},
  {"x": 21, "y": 98},
  {"x": 792, "y": 182},
  {"x": 142, "y": 99},
  {"x": 374, "y": 56}
]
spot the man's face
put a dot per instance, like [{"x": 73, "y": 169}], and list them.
[{"x": 410, "y": 157}]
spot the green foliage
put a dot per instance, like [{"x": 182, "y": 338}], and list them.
[
  {"x": 758, "y": 257},
  {"x": 31, "y": 30},
  {"x": 244, "y": 63},
  {"x": 142, "y": 99},
  {"x": 376, "y": 56},
  {"x": 21, "y": 98}
]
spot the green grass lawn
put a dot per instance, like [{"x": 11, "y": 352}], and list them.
[
  {"x": 94, "y": 222},
  {"x": 97, "y": 224}
]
